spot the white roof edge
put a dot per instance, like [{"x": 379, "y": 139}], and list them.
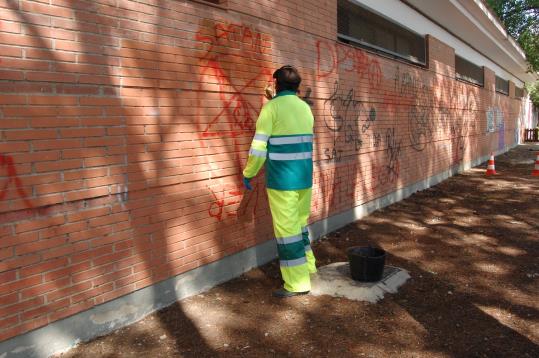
[{"x": 487, "y": 11}]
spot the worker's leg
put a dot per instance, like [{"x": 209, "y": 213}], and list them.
[
  {"x": 304, "y": 213},
  {"x": 284, "y": 206}
]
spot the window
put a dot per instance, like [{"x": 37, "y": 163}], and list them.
[
  {"x": 361, "y": 27},
  {"x": 469, "y": 72},
  {"x": 519, "y": 92},
  {"x": 502, "y": 85}
]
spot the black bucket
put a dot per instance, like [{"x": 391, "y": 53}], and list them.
[{"x": 366, "y": 263}]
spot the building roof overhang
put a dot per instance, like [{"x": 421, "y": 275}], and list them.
[{"x": 473, "y": 22}]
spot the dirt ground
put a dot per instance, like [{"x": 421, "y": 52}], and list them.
[{"x": 471, "y": 245}]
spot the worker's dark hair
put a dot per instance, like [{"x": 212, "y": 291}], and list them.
[{"x": 288, "y": 79}]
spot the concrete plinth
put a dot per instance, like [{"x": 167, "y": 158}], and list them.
[{"x": 335, "y": 280}]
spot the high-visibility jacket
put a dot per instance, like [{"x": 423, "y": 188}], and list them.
[{"x": 284, "y": 141}]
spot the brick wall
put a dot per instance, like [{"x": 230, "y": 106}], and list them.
[{"x": 124, "y": 126}]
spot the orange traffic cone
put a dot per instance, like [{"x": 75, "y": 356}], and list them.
[
  {"x": 535, "y": 172},
  {"x": 490, "y": 166}
]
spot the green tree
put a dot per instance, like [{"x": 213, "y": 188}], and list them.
[{"x": 521, "y": 19}]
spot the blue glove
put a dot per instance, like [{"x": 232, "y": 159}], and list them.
[{"x": 247, "y": 183}]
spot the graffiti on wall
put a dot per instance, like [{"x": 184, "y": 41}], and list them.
[
  {"x": 9, "y": 180},
  {"x": 334, "y": 58},
  {"x": 388, "y": 172},
  {"x": 236, "y": 60},
  {"x": 348, "y": 120},
  {"x": 494, "y": 119}
]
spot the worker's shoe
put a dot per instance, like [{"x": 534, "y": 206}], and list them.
[{"x": 282, "y": 293}]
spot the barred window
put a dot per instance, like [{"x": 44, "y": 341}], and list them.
[
  {"x": 519, "y": 92},
  {"x": 468, "y": 71},
  {"x": 360, "y": 27},
  {"x": 502, "y": 85}
]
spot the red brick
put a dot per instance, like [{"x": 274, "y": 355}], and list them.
[
  {"x": 17, "y": 285},
  {"x": 12, "y": 99},
  {"x": 6, "y": 253},
  {"x": 30, "y": 134},
  {"x": 83, "y": 153},
  {"x": 86, "y": 173},
  {"x": 57, "y": 144},
  {"x": 9, "y": 321},
  {"x": 96, "y": 291},
  {"x": 82, "y": 132},
  {"x": 14, "y": 147},
  {"x": 45, "y": 9},
  {"x": 59, "y": 187},
  {"x": 42, "y": 289},
  {"x": 87, "y": 275},
  {"x": 24, "y": 327},
  {"x": 11, "y": 75},
  {"x": 43, "y": 267},
  {"x": 8, "y": 276},
  {"x": 9, "y": 51},
  {"x": 9, "y": 299},
  {"x": 50, "y": 77},
  {"x": 66, "y": 272},
  {"x": 71, "y": 310},
  {"x": 90, "y": 233},
  {"x": 18, "y": 239},
  {"x": 53, "y": 100},
  {"x": 48, "y": 308},
  {"x": 39, "y": 224},
  {"x": 109, "y": 219},
  {"x": 39, "y": 246},
  {"x": 58, "y": 165},
  {"x": 18, "y": 262},
  {"x": 85, "y": 194},
  {"x": 65, "y": 250}
]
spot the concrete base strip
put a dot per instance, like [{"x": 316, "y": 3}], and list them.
[{"x": 100, "y": 320}]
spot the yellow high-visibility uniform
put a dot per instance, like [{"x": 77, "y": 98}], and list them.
[{"x": 284, "y": 142}]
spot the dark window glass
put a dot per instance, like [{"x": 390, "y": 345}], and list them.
[
  {"x": 361, "y": 27},
  {"x": 469, "y": 72},
  {"x": 502, "y": 85}
]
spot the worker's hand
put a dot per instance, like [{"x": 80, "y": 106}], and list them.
[
  {"x": 247, "y": 183},
  {"x": 269, "y": 92}
]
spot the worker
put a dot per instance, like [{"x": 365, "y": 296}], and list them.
[{"x": 284, "y": 143}]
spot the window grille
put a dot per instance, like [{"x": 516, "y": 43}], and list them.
[
  {"x": 502, "y": 85},
  {"x": 360, "y": 27},
  {"x": 469, "y": 72}
]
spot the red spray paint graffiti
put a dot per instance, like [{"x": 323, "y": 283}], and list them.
[
  {"x": 332, "y": 58},
  {"x": 7, "y": 168},
  {"x": 235, "y": 59}
]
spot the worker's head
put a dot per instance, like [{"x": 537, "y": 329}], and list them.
[{"x": 287, "y": 78}]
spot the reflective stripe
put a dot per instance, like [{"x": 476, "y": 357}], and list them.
[
  {"x": 289, "y": 239},
  {"x": 308, "y": 248},
  {"x": 290, "y": 156},
  {"x": 291, "y": 263},
  {"x": 291, "y": 140},
  {"x": 261, "y": 137},
  {"x": 258, "y": 153}
]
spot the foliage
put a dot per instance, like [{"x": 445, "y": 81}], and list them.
[
  {"x": 521, "y": 19},
  {"x": 533, "y": 90}
]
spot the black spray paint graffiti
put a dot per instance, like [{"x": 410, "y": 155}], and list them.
[
  {"x": 456, "y": 133},
  {"x": 393, "y": 151},
  {"x": 419, "y": 126},
  {"x": 390, "y": 172},
  {"x": 346, "y": 114}
]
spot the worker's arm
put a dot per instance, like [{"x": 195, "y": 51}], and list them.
[{"x": 258, "y": 151}]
